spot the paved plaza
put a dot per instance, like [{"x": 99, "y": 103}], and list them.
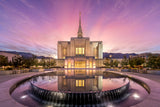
[{"x": 4, "y": 78}]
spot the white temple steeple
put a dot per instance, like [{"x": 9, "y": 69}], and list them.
[{"x": 80, "y": 33}]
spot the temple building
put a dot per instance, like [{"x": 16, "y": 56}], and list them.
[{"x": 80, "y": 52}]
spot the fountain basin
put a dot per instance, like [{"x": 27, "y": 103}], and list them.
[{"x": 96, "y": 97}]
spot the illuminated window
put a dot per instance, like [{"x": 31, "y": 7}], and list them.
[
  {"x": 80, "y": 64},
  {"x": 76, "y": 50},
  {"x": 95, "y": 52},
  {"x": 69, "y": 64},
  {"x": 79, "y": 83},
  {"x": 64, "y": 82},
  {"x": 79, "y": 51},
  {"x": 90, "y": 64},
  {"x": 64, "y": 52}
]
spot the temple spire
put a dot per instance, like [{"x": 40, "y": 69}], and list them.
[{"x": 80, "y": 33}]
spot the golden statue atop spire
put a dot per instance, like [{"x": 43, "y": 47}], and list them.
[{"x": 80, "y": 33}]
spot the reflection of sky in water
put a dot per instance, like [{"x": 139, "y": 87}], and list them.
[{"x": 109, "y": 84}]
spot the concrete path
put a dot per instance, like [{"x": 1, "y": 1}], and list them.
[
  {"x": 153, "y": 81},
  {"x": 4, "y": 78}
]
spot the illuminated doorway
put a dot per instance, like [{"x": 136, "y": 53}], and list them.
[
  {"x": 79, "y": 83},
  {"x": 80, "y": 64}
]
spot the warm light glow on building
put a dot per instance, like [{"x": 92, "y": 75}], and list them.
[
  {"x": 80, "y": 64},
  {"x": 79, "y": 83},
  {"x": 79, "y": 51},
  {"x": 90, "y": 64},
  {"x": 69, "y": 64}
]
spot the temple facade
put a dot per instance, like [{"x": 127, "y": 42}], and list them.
[{"x": 80, "y": 52}]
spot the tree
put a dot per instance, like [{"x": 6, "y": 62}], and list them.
[
  {"x": 131, "y": 62},
  {"x": 36, "y": 62},
  {"x": 158, "y": 62},
  {"x": 115, "y": 63},
  {"x": 153, "y": 62},
  {"x": 139, "y": 61},
  {"x": 3, "y": 60},
  {"x": 106, "y": 62},
  {"x": 136, "y": 61},
  {"x": 53, "y": 63},
  {"x": 43, "y": 62},
  {"x": 27, "y": 62},
  {"x": 124, "y": 62},
  {"x": 111, "y": 63},
  {"x": 17, "y": 61},
  {"x": 47, "y": 64}
]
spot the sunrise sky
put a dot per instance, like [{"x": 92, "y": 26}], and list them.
[{"x": 35, "y": 26}]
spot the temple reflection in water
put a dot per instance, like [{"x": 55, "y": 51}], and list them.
[{"x": 80, "y": 81}]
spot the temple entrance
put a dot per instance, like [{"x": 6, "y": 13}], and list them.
[{"x": 80, "y": 64}]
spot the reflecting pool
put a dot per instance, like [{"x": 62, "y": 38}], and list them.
[{"x": 79, "y": 87}]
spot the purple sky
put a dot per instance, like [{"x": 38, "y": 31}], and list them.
[{"x": 123, "y": 25}]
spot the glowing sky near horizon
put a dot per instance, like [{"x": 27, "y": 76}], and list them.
[{"x": 35, "y": 26}]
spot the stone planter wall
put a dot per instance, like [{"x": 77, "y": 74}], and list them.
[
  {"x": 10, "y": 72},
  {"x": 153, "y": 72}
]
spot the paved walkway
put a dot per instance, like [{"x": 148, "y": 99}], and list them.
[
  {"x": 153, "y": 81},
  {"x": 4, "y": 78}
]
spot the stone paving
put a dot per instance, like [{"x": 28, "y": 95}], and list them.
[
  {"x": 153, "y": 81},
  {"x": 4, "y": 78}
]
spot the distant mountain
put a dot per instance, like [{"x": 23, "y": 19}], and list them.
[
  {"x": 25, "y": 54},
  {"x": 41, "y": 57},
  {"x": 118, "y": 55},
  {"x": 105, "y": 54}
]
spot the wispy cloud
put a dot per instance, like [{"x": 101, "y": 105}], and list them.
[{"x": 122, "y": 25}]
